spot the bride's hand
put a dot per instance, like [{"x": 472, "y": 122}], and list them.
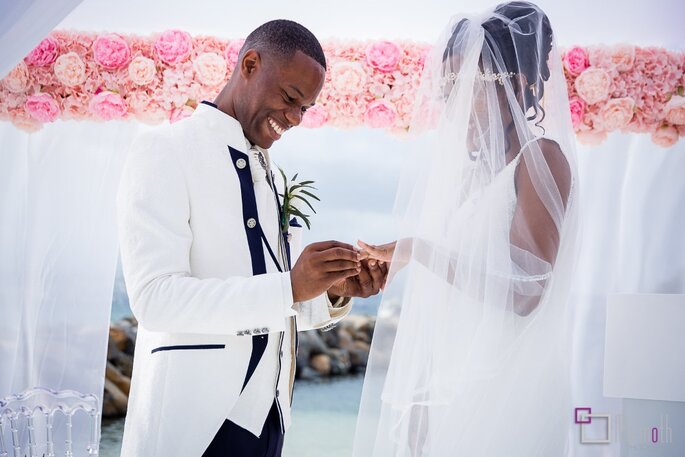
[{"x": 381, "y": 253}]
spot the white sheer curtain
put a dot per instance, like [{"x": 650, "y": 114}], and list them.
[
  {"x": 633, "y": 220},
  {"x": 58, "y": 257},
  {"x": 23, "y": 23}
]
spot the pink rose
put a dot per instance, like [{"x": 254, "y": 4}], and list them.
[
  {"x": 623, "y": 57},
  {"x": 380, "y": 114},
  {"x": 314, "y": 117},
  {"x": 43, "y": 54},
  {"x": 675, "y": 110},
  {"x": 42, "y": 107},
  {"x": 665, "y": 136},
  {"x": 111, "y": 51},
  {"x": 232, "y": 51},
  {"x": 173, "y": 46},
  {"x": 70, "y": 69},
  {"x": 383, "y": 56},
  {"x": 348, "y": 77},
  {"x": 142, "y": 71},
  {"x": 180, "y": 113},
  {"x": 593, "y": 85},
  {"x": 108, "y": 105},
  {"x": 577, "y": 106},
  {"x": 575, "y": 61},
  {"x": 591, "y": 137},
  {"x": 617, "y": 113},
  {"x": 210, "y": 68},
  {"x": 17, "y": 80}
]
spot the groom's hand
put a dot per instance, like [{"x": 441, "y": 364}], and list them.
[
  {"x": 370, "y": 280},
  {"x": 320, "y": 266}
]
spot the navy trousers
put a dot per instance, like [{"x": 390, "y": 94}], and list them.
[{"x": 234, "y": 441}]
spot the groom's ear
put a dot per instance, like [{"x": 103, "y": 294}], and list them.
[{"x": 250, "y": 63}]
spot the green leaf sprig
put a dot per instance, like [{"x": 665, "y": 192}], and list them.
[{"x": 296, "y": 191}]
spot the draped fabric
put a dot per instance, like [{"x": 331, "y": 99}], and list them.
[
  {"x": 24, "y": 23},
  {"x": 633, "y": 205},
  {"x": 59, "y": 253}
]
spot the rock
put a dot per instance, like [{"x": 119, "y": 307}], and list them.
[
  {"x": 321, "y": 363},
  {"x": 115, "y": 402},
  {"x": 359, "y": 355},
  {"x": 121, "y": 339},
  {"x": 340, "y": 361},
  {"x": 346, "y": 339},
  {"x": 124, "y": 363},
  {"x": 330, "y": 338},
  {"x": 122, "y": 382}
]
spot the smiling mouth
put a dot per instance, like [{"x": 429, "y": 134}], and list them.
[{"x": 276, "y": 127}]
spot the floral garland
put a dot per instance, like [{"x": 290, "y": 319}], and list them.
[
  {"x": 626, "y": 88},
  {"x": 89, "y": 76}
]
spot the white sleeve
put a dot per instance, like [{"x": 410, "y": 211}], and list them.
[{"x": 155, "y": 236}]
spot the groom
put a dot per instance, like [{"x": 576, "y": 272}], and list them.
[{"x": 208, "y": 268}]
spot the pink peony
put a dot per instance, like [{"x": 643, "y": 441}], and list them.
[
  {"x": 380, "y": 114},
  {"x": 173, "y": 46},
  {"x": 383, "y": 56},
  {"x": 70, "y": 69},
  {"x": 142, "y": 71},
  {"x": 593, "y": 85},
  {"x": 111, "y": 51},
  {"x": 620, "y": 57},
  {"x": 180, "y": 113},
  {"x": 232, "y": 51},
  {"x": 348, "y": 77},
  {"x": 623, "y": 57},
  {"x": 108, "y": 106},
  {"x": 43, "y": 54},
  {"x": 210, "y": 68},
  {"x": 575, "y": 61},
  {"x": 577, "y": 107},
  {"x": 665, "y": 136},
  {"x": 617, "y": 113},
  {"x": 17, "y": 80},
  {"x": 675, "y": 110},
  {"x": 314, "y": 117},
  {"x": 42, "y": 107}
]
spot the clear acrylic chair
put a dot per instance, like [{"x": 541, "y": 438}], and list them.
[{"x": 34, "y": 411}]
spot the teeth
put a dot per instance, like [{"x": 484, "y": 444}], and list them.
[{"x": 275, "y": 126}]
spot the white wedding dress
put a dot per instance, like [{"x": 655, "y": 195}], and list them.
[{"x": 474, "y": 359}]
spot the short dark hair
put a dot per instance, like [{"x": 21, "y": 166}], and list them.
[{"x": 283, "y": 38}]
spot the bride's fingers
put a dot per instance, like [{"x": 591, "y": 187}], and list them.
[{"x": 374, "y": 251}]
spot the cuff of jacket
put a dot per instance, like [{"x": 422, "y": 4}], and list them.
[{"x": 288, "y": 302}]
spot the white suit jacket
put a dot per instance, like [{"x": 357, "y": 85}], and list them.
[{"x": 188, "y": 273}]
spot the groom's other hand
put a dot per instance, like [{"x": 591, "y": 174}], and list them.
[
  {"x": 320, "y": 266},
  {"x": 370, "y": 280}
]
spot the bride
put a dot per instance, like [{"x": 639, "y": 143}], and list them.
[{"x": 473, "y": 359}]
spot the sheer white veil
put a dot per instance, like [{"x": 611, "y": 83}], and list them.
[{"x": 473, "y": 359}]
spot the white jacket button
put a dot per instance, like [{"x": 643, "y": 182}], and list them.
[
  {"x": 241, "y": 163},
  {"x": 251, "y": 223}
]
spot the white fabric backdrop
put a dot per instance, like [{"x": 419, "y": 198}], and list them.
[
  {"x": 59, "y": 252},
  {"x": 633, "y": 211}
]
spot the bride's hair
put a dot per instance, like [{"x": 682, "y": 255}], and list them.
[{"x": 527, "y": 57}]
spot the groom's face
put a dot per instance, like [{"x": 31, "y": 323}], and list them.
[{"x": 277, "y": 93}]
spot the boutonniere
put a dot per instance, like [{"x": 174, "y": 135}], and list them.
[{"x": 296, "y": 191}]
